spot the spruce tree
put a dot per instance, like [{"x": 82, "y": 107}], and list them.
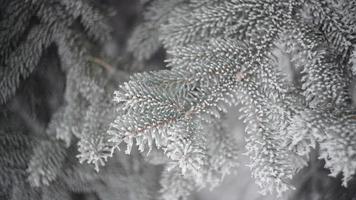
[{"x": 72, "y": 106}]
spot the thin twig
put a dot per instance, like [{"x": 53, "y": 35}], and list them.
[
  {"x": 102, "y": 63},
  {"x": 112, "y": 71}
]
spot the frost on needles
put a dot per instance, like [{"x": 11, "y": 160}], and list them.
[{"x": 221, "y": 54}]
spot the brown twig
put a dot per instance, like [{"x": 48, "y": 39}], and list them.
[
  {"x": 112, "y": 71},
  {"x": 102, "y": 63}
]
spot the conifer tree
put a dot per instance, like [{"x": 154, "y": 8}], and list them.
[
  {"x": 221, "y": 54},
  {"x": 287, "y": 65}
]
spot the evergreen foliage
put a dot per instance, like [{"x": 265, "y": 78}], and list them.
[
  {"x": 220, "y": 54},
  {"x": 29, "y": 27}
]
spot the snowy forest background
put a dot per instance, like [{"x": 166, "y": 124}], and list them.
[{"x": 62, "y": 60}]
